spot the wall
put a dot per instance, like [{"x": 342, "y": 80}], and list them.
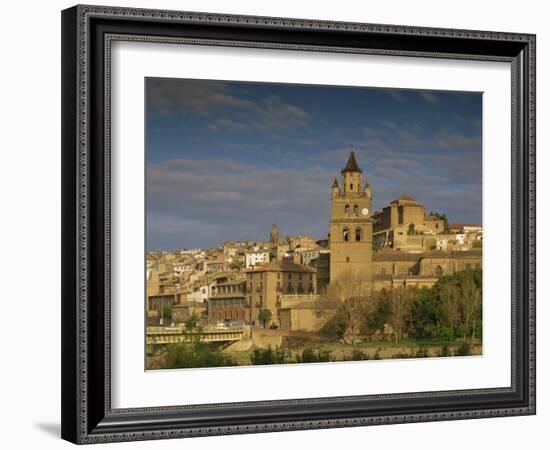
[{"x": 30, "y": 189}]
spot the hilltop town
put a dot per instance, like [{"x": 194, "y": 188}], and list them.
[{"x": 265, "y": 292}]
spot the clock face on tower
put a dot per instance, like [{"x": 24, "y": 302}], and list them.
[{"x": 364, "y": 211}]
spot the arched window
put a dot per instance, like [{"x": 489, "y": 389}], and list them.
[
  {"x": 355, "y": 210},
  {"x": 439, "y": 271},
  {"x": 351, "y": 187},
  {"x": 358, "y": 234},
  {"x": 346, "y": 235},
  {"x": 468, "y": 266},
  {"x": 346, "y": 210},
  {"x": 478, "y": 266}
]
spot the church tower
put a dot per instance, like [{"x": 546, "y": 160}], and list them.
[
  {"x": 351, "y": 223},
  {"x": 274, "y": 234}
]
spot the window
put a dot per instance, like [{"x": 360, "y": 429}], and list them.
[
  {"x": 382, "y": 271},
  {"x": 346, "y": 210},
  {"x": 347, "y": 258},
  {"x": 346, "y": 235},
  {"x": 358, "y": 234},
  {"x": 355, "y": 210},
  {"x": 439, "y": 271},
  {"x": 351, "y": 187}
]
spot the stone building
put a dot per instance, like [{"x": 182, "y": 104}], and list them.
[
  {"x": 350, "y": 233},
  {"x": 274, "y": 234},
  {"x": 306, "y": 315},
  {"x": 394, "y": 268},
  {"x": 405, "y": 224},
  {"x": 256, "y": 256},
  {"x": 228, "y": 302},
  {"x": 182, "y": 311},
  {"x": 266, "y": 283}
]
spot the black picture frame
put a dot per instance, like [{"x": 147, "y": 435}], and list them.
[{"x": 87, "y": 415}]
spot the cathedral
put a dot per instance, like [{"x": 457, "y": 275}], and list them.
[
  {"x": 413, "y": 257},
  {"x": 351, "y": 223}
]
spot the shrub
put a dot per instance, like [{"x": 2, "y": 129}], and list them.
[
  {"x": 264, "y": 356},
  {"x": 190, "y": 355},
  {"x": 464, "y": 349},
  {"x": 357, "y": 355},
  {"x": 313, "y": 356},
  {"x": 445, "y": 351}
]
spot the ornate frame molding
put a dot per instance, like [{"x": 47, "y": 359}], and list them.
[{"x": 85, "y": 30}]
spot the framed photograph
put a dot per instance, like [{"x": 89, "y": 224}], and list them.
[{"x": 280, "y": 224}]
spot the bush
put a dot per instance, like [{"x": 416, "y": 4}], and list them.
[
  {"x": 264, "y": 356},
  {"x": 314, "y": 356},
  {"x": 440, "y": 332},
  {"x": 445, "y": 351},
  {"x": 192, "y": 355},
  {"x": 357, "y": 355},
  {"x": 464, "y": 349},
  {"x": 422, "y": 352}
]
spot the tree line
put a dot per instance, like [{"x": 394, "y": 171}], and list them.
[{"x": 450, "y": 309}]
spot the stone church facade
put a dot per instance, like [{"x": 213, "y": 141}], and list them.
[{"x": 351, "y": 239}]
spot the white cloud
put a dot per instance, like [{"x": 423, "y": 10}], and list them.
[{"x": 429, "y": 97}]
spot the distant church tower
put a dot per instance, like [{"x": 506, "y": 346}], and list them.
[
  {"x": 274, "y": 235},
  {"x": 351, "y": 223}
]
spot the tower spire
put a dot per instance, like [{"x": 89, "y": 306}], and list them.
[{"x": 351, "y": 165}]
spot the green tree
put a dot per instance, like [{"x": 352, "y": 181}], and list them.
[
  {"x": 381, "y": 314},
  {"x": 193, "y": 352},
  {"x": 426, "y": 312},
  {"x": 443, "y": 217},
  {"x": 167, "y": 312},
  {"x": 264, "y": 316}
]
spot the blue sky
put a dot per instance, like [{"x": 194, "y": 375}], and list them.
[{"x": 227, "y": 159}]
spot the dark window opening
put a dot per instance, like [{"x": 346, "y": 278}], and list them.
[{"x": 346, "y": 235}]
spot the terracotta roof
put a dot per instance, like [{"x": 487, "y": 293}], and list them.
[
  {"x": 282, "y": 266},
  {"x": 351, "y": 165},
  {"x": 462, "y": 225}
]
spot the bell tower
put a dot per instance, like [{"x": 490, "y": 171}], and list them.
[{"x": 351, "y": 223}]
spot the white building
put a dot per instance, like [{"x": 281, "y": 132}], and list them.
[{"x": 255, "y": 257}]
